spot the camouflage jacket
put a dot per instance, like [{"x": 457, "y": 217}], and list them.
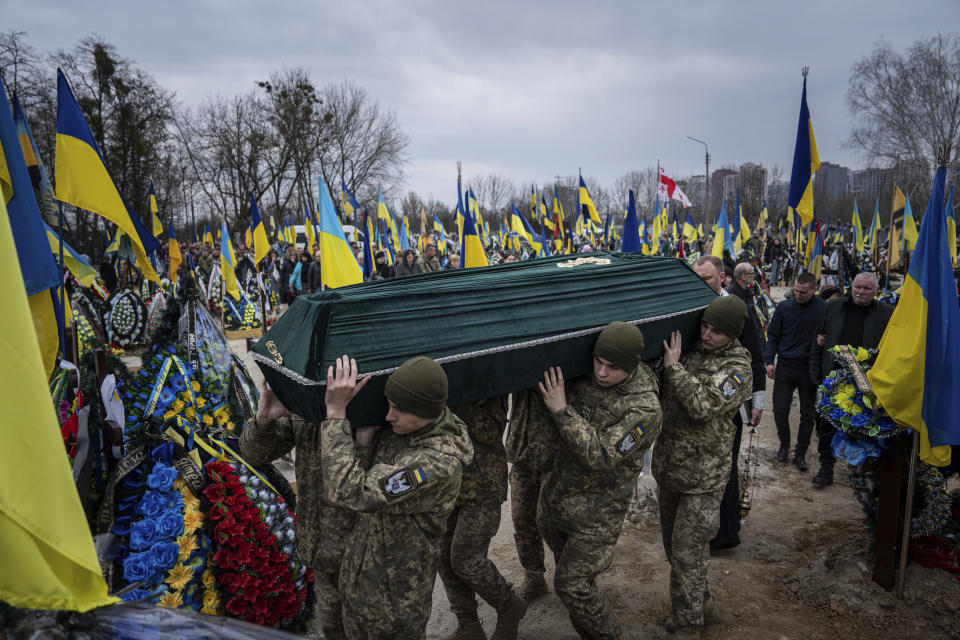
[
  {"x": 404, "y": 499},
  {"x": 530, "y": 436},
  {"x": 261, "y": 446},
  {"x": 601, "y": 436},
  {"x": 699, "y": 396},
  {"x": 426, "y": 266},
  {"x": 484, "y": 479}
]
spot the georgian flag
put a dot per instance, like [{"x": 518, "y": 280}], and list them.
[{"x": 669, "y": 189}]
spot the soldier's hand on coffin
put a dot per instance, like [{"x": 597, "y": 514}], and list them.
[
  {"x": 552, "y": 390},
  {"x": 270, "y": 408},
  {"x": 342, "y": 387},
  {"x": 671, "y": 352}
]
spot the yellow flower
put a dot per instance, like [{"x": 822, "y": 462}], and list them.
[
  {"x": 171, "y": 599},
  {"x": 192, "y": 521},
  {"x": 209, "y": 581},
  {"x": 847, "y": 389},
  {"x": 168, "y": 414},
  {"x": 179, "y": 575},
  {"x": 210, "y": 599},
  {"x": 201, "y": 401},
  {"x": 179, "y": 484},
  {"x": 177, "y": 405},
  {"x": 210, "y": 611},
  {"x": 187, "y": 544},
  {"x": 195, "y": 386},
  {"x": 190, "y": 413},
  {"x": 862, "y": 354},
  {"x": 207, "y": 419},
  {"x": 222, "y": 418}
]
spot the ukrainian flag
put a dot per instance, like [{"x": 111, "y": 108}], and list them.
[
  {"x": 874, "y": 231},
  {"x": 338, "y": 265},
  {"x": 175, "y": 258},
  {"x": 815, "y": 263},
  {"x": 207, "y": 236},
  {"x": 308, "y": 229},
  {"x": 951, "y": 229},
  {"x": 83, "y": 180},
  {"x": 155, "y": 213},
  {"x": 367, "y": 250},
  {"x": 910, "y": 234},
  {"x": 917, "y": 373},
  {"x": 689, "y": 229},
  {"x": 587, "y": 201},
  {"x": 39, "y": 271},
  {"x": 471, "y": 248},
  {"x": 631, "y": 228},
  {"x": 48, "y": 556},
  {"x": 228, "y": 262},
  {"x": 80, "y": 268},
  {"x": 806, "y": 161},
  {"x": 520, "y": 226},
  {"x": 858, "y": 226},
  {"x": 350, "y": 205},
  {"x": 38, "y": 172},
  {"x": 260, "y": 242},
  {"x": 722, "y": 238}
]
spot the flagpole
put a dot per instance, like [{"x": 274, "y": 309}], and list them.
[{"x": 63, "y": 288}]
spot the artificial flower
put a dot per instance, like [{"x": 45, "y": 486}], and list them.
[
  {"x": 179, "y": 576},
  {"x": 171, "y": 600},
  {"x": 188, "y": 544},
  {"x": 178, "y": 405},
  {"x": 192, "y": 521}
]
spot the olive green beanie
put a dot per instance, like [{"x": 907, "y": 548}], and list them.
[
  {"x": 727, "y": 314},
  {"x": 620, "y": 343},
  {"x": 418, "y": 386}
]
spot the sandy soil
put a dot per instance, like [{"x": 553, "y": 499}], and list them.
[{"x": 802, "y": 571}]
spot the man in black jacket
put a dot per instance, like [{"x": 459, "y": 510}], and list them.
[
  {"x": 314, "y": 282},
  {"x": 787, "y": 353},
  {"x": 859, "y": 321}
]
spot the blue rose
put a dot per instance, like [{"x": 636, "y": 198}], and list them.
[
  {"x": 163, "y": 555},
  {"x": 859, "y": 420},
  {"x": 162, "y": 477},
  {"x": 829, "y": 382},
  {"x": 825, "y": 401},
  {"x": 121, "y": 526},
  {"x": 170, "y": 523},
  {"x": 143, "y": 534},
  {"x": 137, "y": 567},
  {"x": 151, "y": 504},
  {"x": 838, "y": 413}
]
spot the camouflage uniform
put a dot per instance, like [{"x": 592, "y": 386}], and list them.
[
  {"x": 322, "y": 529},
  {"x": 205, "y": 263},
  {"x": 530, "y": 451},
  {"x": 428, "y": 265},
  {"x": 691, "y": 464},
  {"x": 602, "y": 434},
  {"x": 403, "y": 500},
  {"x": 464, "y": 566}
]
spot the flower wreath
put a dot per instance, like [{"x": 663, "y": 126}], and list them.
[
  {"x": 931, "y": 506},
  {"x": 841, "y": 403}
]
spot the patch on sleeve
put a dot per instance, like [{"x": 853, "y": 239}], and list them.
[
  {"x": 730, "y": 386},
  {"x": 630, "y": 440},
  {"x": 404, "y": 481}
]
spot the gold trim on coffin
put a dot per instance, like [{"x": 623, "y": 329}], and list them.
[{"x": 296, "y": 377}]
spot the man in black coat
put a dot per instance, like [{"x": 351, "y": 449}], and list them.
[
  {"x": 857, "y": 320},
  {"x": 314, "y": 282}
]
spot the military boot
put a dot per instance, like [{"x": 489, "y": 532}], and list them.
[
  {"x": 686, "y": 632},
  {"x": 468, "y": 630},
  {"x": 508, "y": 618},
  {"x": 800, "y": 462},
  {"x": 824, "y": 477},
  {"x": 534, "y": 585},
  {"x": 711, "y": 613}
]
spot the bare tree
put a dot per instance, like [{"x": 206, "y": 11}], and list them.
[
  {"x": 906, "y": 106},
  {"x": 644, "y": 184},
  {"x": 493, "y": 192},
  {"x": 362, "y": 143}
]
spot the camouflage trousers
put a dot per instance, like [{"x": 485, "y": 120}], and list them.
[
  {"x": 525, "y": 483},
  {"x": 464, "y": 568},
  {"x": 688, "y": 521},
  {"x": 387, "y": 628},
  {"x": 335, "y": 527},
  {"x": 579, "y": 561}
]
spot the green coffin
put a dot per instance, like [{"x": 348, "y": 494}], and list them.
[{"x": 494, "y": 329}]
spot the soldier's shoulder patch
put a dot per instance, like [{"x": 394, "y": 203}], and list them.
[
  {"x": 630, "y": 440},
  {"x": 730, "y": 385},
  {"x": 404, "y": 481}
]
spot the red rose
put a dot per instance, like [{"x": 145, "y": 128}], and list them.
[
  {"x": 214, "y": 492},
  {"x": 236, "y": 606}
]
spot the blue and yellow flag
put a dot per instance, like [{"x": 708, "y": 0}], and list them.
[
  {"x": 586, "y": 202},
  {"x": 520, "y": 226},
  {"x": 367, "y": 248},
  {"x": 73, "y": 261},
  {"x": 806, "y": 161},
  {"x": 207, "y": 235},
  {"x": 260, "y": 243},
  {"x": 308, "y": 229},
  {"x": 558, "y": 217},
  {"x": 38, "y": 270},
  {"x": 175, "y": 256},
  {"x": 83, "y": 179},
  {"x": 155, "y": 213},
  {"x": 404, "y": 234},
  {"x": 338, "y": 265},
  {"x": 350, "y": 205},
  {"x": 917, "y": 373},
  {"x": 873, "y": 232},
  {"x": 46, "y": 198},
  {"x": 910, "y": 234},
  {"x": 951, "y": 229},
  {"x": 631, "y": 228},
  {"x": 689, "y": 229},
  {"x": 471, "y": 248},
  {"x": 722, "y": 239},
  {"x": 47, "y": 554},
  {"x": 858, "y": 227},
  {"x": 815, "y": 263},
  {"x": 228, "y": 262}
]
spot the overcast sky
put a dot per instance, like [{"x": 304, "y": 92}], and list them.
[{"x": 529, "y": 90}]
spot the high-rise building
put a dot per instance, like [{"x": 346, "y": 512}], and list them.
[{"x": 831, "y": 183}]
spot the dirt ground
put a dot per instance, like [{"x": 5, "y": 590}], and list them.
[{"x": 802, "y": 571}]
